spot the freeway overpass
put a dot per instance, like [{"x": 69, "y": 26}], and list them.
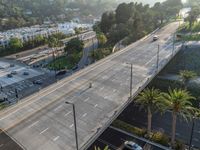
[{"x": 44, "y": 122}]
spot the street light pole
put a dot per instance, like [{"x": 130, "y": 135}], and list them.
[
  {"x": 131, "y": 82},
  {"x": 157, "y": 63},
  {"x": 173, "y": 44},
  {"x": 192, "y": 132},
  {"x": 75, "y": 127},
  {"x": 131, "y": 79}
]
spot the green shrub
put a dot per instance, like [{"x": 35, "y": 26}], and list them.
[
  {"x": 160, "y": 138},
  {"x": 129, "y": 128},
  {"x": 179, "y": 146}
]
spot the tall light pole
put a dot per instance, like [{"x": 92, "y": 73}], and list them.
[
  {"x": 157, "y": 62},
  {"x": 192, "y": 132},
  {"x": 173, "y": 44},
  {"x": 75, "y": 127},
  {"x": 131, "y": 79}
]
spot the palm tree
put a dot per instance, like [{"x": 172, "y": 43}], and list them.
[
  {"x": 179, "y": 102},
  {"x": 106, "y": 148},
  {"x": 186, "y": 76},
  {"x": 150, "y": 100},
  {"x": 53, "y": 43}
]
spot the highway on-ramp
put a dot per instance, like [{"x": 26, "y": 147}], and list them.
[{"x": 44, "y": 122}]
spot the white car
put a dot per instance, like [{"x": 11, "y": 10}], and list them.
[
  {"x": 132, "y": 145},
  {"x": 155, "y": 37}
]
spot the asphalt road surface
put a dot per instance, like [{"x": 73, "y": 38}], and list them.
[{"x": 44, "y": 121}]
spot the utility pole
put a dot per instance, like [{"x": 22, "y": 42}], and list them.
[{"x": 157, "y": 63}]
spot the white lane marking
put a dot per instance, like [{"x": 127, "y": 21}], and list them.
[
  {"x": 57, "y": 108},
  {"x": 56, "y": 138},
  {"x": 71, "y": 125},
  {"x": 68, "y": 113},
  {"x": 87, "y": 99},
  {"x": 95, "y": 105},
  {"x": 101, "y": 88},
  {"x": 114, "y": 90},
  {"x": 84, "y": 115},
  {"x": 1, "y": 145},
  {"x": 33, "y": 124},
  {"x": 44, "y": 130}
]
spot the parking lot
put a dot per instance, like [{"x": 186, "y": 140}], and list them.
[
  {"x": 18, "y": 80},
  {"x": 11, "y": 73}
]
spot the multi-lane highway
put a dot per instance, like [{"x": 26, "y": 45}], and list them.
[{"x": 43, "y": 121}]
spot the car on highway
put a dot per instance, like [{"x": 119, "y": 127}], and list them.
[
  {"x": 132, "y": 145},
  {"x": 155, "y": 37}
]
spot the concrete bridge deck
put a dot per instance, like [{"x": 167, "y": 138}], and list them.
[{"x": 44, "y": 122}]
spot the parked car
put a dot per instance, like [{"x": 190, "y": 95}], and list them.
[
  {"x": 155, "y": 37},
  {"x": 132, "y": 145},
  {"x": 3, "y": 97},
  {"x": 75, "y": 67},
  {"x": 39, "y": 82},
  {"x": 13, "y": 72},
  {"x": 9, "y": 75},
  {"x": 12, "y": 65},
  {"x": 61, "y": 72},
  {"x": 26, "y": 73}
]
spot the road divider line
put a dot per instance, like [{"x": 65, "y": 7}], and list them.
[
  {"x": 33, "y": 124},
  {"x": 44, "y": 130},
  {"x": 56, "y": 138}
]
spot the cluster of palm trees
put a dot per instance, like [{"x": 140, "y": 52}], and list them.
[{"x": 177, "y": 101}]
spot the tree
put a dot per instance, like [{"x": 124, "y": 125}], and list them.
[
  {"x": 102, "y": 39},
  {"x": 179, "y": 102},
  {"x": 149, "y": 100},
  {"x": 123, "y": 12},
  {"x": 15, "y": 44},
  {"x": 107, "y": 20},
  {"x": 53, "y": 42},
  {"x": 193, "y": 15},
  {"x": 186, "y": 76},
  {"x": 74, "y": 46}
]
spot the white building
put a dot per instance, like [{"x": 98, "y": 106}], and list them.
[
  {"x": 29, "y": 33},
  {"x": 68, "y": 27},
  {"x": 25, "y": 34}
]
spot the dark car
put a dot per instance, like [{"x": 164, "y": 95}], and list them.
[
  {"x": 39, "y": 82},
  {"x": 12, "y": 65},
  {"x": 26, "y": 73},
  {"x": 61, "y": 73},
  {"x": 9, "y": 75},
  {"x": 75, "y": 67}
]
